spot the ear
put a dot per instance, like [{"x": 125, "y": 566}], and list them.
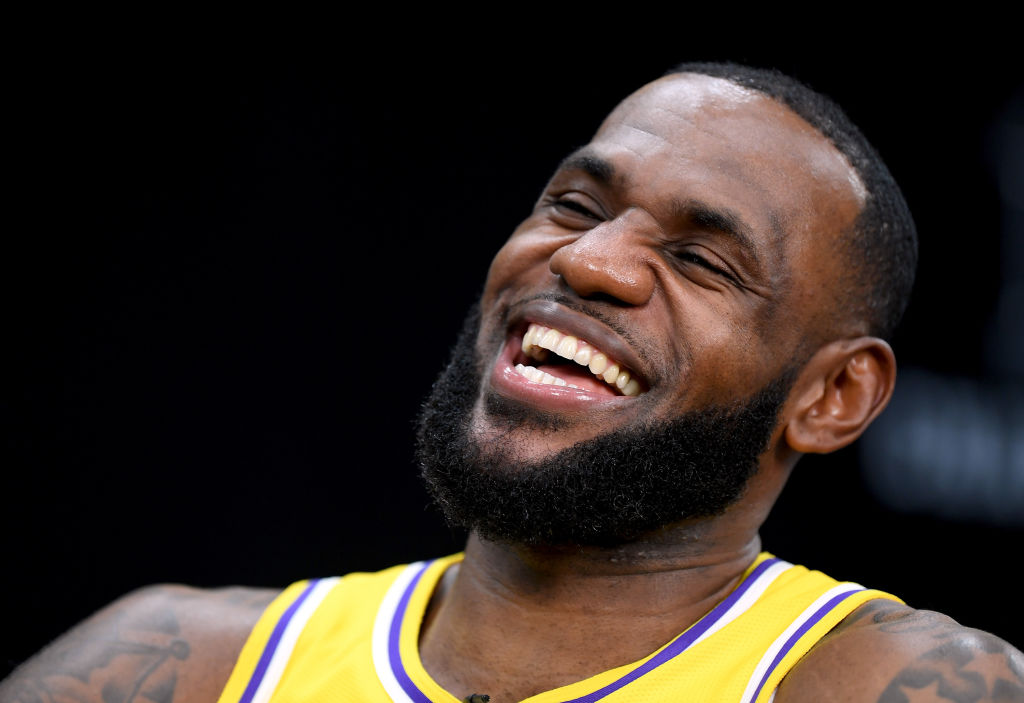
[{"x": 841, "y": 390}]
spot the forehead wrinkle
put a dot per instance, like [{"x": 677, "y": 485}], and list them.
[{"x": 641, "y": 132}]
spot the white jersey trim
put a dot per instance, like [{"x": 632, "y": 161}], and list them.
[
  {"x": 283, "y": 651},
  {"x": 747, "y": 599},
  {"x": 766, "y": 664},
  {"x": 382, "y": 630}
]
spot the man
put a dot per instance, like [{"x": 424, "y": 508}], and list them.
[{"x": 700, "y": 296}]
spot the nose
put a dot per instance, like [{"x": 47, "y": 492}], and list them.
[{"x": 612, "y": 259}]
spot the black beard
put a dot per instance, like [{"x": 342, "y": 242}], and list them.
[{"x": 605, "y": 491}]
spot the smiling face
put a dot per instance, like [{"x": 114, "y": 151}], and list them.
[
  {"x": 639, "y": 332},
  {"x": 690, "y": 245}
]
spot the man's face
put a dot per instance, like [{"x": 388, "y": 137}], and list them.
[
  {"x": 691, "y": 243},
  {"x": 671, "y": 273}
]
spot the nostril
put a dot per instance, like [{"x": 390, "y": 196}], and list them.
[
  {"x": 621, "y": 276},
  {"x": 597, "y": 296}
]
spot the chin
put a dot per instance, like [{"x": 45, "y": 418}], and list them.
[{"x": 521, "y": 472}]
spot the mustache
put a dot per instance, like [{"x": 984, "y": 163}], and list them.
[{"x": 586, "y": 307}]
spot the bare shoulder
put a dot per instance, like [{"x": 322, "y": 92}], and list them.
[
  {"x": 886, "y": 652},
  {"x": 158, "y": 644}
]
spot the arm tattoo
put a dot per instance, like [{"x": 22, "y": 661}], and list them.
[
  {"x": 120, "y": 664},
  {"x": 135, "y": 651},
  {"x": 965, "y": 666}
]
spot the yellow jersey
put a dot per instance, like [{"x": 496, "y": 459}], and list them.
[{"x": 355, "y": 638}]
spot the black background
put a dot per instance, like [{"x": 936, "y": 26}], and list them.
[{"x": 233, "y": 273}]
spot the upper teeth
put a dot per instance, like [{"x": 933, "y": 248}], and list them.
[{"x": 538, "y": 340}]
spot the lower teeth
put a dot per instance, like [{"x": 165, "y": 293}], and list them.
[{"x": 537, "y": 376}]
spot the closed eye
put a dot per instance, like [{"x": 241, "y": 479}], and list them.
[
  {"x": 576, "y": 208},
  {"x": 691, "y": 257}
]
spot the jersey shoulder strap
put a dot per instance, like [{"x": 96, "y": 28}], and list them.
[{"x": 355, "y": 639}]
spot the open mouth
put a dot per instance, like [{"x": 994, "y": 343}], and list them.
[{"x": 553, "y": 357}]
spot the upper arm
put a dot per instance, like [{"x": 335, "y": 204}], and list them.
[
  {"x": 888, "y": 653},
  {"x": 159, "y": 644}
]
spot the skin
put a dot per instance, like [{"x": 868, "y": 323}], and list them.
[
  {"x": 162, "y": 643},
  {"x": 635, "y": 246}
]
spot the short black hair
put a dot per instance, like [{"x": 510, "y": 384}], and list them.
[{"x": 882, "y": 246}]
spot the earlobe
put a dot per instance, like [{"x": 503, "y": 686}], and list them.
[{"x": 842, "y": 389}]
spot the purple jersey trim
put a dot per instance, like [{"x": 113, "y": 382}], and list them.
[
  {"x": 800, "y": 632},
  {"x": 271, "y": 646},
  {"x": 672, "y": 650},
  {"x": 680, "y": 644},
  {"x": 394, "y": 637}
]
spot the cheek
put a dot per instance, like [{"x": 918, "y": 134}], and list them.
[
  {"x": 504, "y": 262},
  {"x": 498, "y": 275},
  {"x": 515, "y": 265},
  {"x": 725, "y": 360}
]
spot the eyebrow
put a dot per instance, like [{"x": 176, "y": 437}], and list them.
[
  {"x": 594, "y": 166},
  {"x": 716, "y": 219},
  {"x": 721, "y": 220}
]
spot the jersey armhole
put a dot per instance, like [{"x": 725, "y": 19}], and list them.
[
  {"x": 256, "y": 643},
  {"x": 804, "y": 634}
]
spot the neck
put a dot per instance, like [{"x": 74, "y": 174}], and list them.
[{"x": 516, "y": 620}]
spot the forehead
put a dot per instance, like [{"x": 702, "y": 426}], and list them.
[{"x": 690, "y": 136}]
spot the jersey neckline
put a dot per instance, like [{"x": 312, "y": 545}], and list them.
[{"x": 400, "y": 616}]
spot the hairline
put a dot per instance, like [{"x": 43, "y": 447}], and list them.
[{"x": 875, "y": 289}]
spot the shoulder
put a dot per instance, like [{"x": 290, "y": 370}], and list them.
[
  {"x": 890, "y": 653},
  {"x": 166, "y": 642}
]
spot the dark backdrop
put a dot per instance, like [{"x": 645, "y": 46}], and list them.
[{"x": 234, "y": 274}]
